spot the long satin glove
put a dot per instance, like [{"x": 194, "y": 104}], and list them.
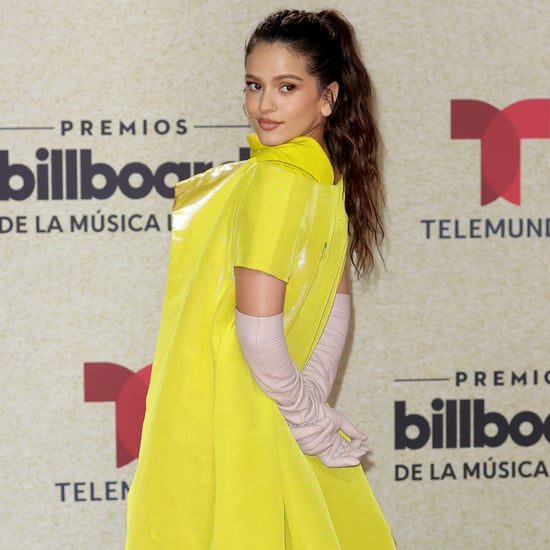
[
  {"x": 314, "y": 425},
  {"x": 320, "y": 370}
]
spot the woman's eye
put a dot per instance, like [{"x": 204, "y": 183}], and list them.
[
  {"x": 288, "y": 87},
  {"x": 254, "y": 86}
]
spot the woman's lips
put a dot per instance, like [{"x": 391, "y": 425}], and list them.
[{"x": 268, "y": 124}]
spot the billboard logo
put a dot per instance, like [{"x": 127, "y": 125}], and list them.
[
  {"x": 127, "y": 389},
  {"x": 500, "y": 133},
  {"x": 73, "y": 174},
  {"x": 465, "y": 423}
]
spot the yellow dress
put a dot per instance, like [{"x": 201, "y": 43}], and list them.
[{"x": 218, "y": 467}]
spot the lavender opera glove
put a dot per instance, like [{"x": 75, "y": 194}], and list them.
[
  {"x": 314, "y": 425},
  {"x": 322, "y": 366}
]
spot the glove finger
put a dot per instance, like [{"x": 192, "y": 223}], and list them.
[
  {"x": 340, "y": 462},
  {"x": 357, "y": 444},
  {"x": 342, "y": 452},
  {"x": 339, "y": 457},
  {"x": 349, "y": 429},
  {"x": 352, "y": 449}
]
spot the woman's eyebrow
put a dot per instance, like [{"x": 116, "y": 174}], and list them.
[{"x": 287, "y": 76}]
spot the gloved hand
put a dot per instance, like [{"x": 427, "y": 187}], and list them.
[
  {"x": 340, "y": 452},
  {"x": 314, "y": 425}
]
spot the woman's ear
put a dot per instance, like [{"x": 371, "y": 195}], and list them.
[{"x": 330, "y": 94}]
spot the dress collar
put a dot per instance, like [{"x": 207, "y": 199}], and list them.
[{"x": 304, "y": 152}]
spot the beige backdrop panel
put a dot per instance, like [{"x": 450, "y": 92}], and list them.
[{"x": 441, "y": 306}]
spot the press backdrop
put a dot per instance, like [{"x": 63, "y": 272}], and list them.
[{"x": 105, "y": 104}]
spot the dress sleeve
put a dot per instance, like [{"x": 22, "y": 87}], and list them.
[{"x": 271, "y": 219}]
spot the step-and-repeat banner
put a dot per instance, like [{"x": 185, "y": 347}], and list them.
[{"x": 106, "y": 104}]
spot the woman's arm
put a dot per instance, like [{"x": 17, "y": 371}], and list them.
[
  {"x": 321, "y": 368},
  {"x": 344, "y": 286},
  {"x": 258, "y": 293},
  {"x": 262, "y": 294},
  {"x": 259, "y": 326}
]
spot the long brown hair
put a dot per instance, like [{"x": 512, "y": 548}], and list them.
[{"x": 327, "y": 40}]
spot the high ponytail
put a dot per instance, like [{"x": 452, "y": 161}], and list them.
[
  {"x": 352, "y": 140},
  {"x": 328, "y": 42}
]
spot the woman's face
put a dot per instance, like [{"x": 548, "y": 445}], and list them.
[{"x": 282, "y": 99}]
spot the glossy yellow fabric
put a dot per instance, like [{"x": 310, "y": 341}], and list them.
[{"x": 218, "y": 466}]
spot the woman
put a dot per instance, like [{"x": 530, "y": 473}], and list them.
[{"x": 239, "y": 449}]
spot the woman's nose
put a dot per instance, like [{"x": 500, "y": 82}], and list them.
[{"x": 267, "y": 102}]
